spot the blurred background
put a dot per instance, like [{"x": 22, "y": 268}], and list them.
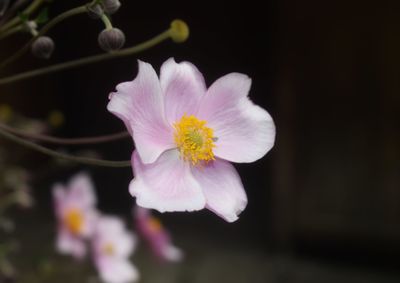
[{"x": 324, "y": 204}]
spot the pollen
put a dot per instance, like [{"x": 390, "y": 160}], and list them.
[
  {"x": 194, "y": 140},
  {"x": 109, "y": 249},
  {"x": 154, "y": 224},
  {"x": 74, "y": 221}
]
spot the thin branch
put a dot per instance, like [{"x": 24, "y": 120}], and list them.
[
  {"x": 88, "y": 60},
  {"x": 53, "y": 153},
  {"x": 29, "y": 10},
  {"x": 61, "y": 17},
  {"x": 65, "y": 141}
]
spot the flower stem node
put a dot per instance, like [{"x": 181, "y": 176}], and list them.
[
  {"x": 94, "y": 11},
  {"x": 111, "y": 6},
  {"x": 43, "y": 47},
  {"x": 179, "y": 31},
  {"x": 111, "y": 39}
]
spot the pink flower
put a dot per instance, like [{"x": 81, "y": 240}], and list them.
[
  {"x": 112, "y": 246},
  {"x": 76, "y": 214},
  {"x": 186, "y": 135},
  {"x": 151, "y": 229}
]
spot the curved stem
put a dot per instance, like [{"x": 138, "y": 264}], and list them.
[
  {"x": 53, "y": 153},
  {"x": 106, "y": 21},
  {"x": 10, "y": 31},
  {"x": 47, "y": 27},
  {"x": 65, "y": 141},
  {"x": 88, "y": 60},
  {"x": 29, "y": 10}
]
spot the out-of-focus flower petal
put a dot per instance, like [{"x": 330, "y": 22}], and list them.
[
  {"x": 245, "y": 132},
  {"x": 70, "y": 245},
  {"x": 117, "y": 270},
  {"x": 223, "y": 189},
  {"x": 183, "y": 87},
  {"x": 156, "y": 236},
  {"x": 82, "y": 190},
  {"x": 140, "y": 105},
  {"x": 76, "y": 214},
  {"x": 166, "y": 185},
  {"x": 111, "y": 230},
  {"x": 112, "y": 246}
]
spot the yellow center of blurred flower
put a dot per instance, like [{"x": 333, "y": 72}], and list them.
[
  {"x": 194, "y": 140},
  {"x": 108, "y": 249},
  {"x": 154, "y": 224},
  {"x": 74, "y": 221}
]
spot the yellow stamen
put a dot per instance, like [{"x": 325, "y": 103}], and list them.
[
  {"x": 108, "y": 249},
  {"x": 155, "y": 224},
  {"x": 74, "y": 221},
  {"x": 194, "y": 140}
]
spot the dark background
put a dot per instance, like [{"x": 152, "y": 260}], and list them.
[{"x": 327, "y": 72}]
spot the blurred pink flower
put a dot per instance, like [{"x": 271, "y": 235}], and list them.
[
  {"x": 151, "y": 229},
  {"x": 76, "y": 214},
  {"x": 112, "y": 247},
  {"x": 185, "y": 135}
]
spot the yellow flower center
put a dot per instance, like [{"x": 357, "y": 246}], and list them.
[
  {"x": 108, "y": 249},
  {"x": 74, "y": 221},
  {"x": 155, "y": 224},
  {"x": 194, "y": 140}
]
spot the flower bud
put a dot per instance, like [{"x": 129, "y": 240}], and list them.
[
  {"x": 179, "y": 31},
  {"x": 111, "y": 6},
  {"x": 43, "y": 47},
  {"x": 94, "y": 11},
  {"x": 111, "y": 39}
]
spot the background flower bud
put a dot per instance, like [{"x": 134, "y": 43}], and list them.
[
  {"x": 179, "y": 31},
  {"x": 43, "y": 47},
  {"x": 111, "y": 6},
  {"x": 111, "y": 39}
]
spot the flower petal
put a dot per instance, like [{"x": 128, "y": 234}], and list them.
[
  {"x": 183, "y": 86},
  {"x": 165, "y": 185},
  {"x": 140, "y": 105},
  {"x": 70, "y": 245},
  {"x": 82, "y": 191},
  {"x": 115, "y": 270},
  {"x": 111, "y": 230},
  {"x": 223, "y": 189},
  {"x": 245, "y": 132}
]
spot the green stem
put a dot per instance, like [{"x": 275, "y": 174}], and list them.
[
  {"x": 46, "y": 28},
  {"x": 10, "y": 31},
  {"x": 106, "y": 21},
  {"x": 88, "y": 60},
  {"x": 29, "y": 10},
  {"x": 53, "y": 153},
  {"x": 65, "y": 141}
]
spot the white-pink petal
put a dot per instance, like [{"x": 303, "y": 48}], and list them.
[
  {"x": 118, "y": 270},
  {"x": 223, "y": 189},
  {"x": 140, "y": 105},
  {"x": 110, "y": 230},
  {"x": 166, "y": 185},
  {"x": 245, "y": 132},
  {"x": 81, "y": 190},
  {"x": 69, "y": 245},
  {"x": 183, "y": 87}
]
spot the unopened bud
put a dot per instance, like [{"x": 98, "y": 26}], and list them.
[
  {"x": 111, "y": 39},
  {"x": 43, "y": 47},
  {"x": 111, "y": 6},
  {"x": 179, "y": 31},
  {"x": 94, "y": 11}
]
